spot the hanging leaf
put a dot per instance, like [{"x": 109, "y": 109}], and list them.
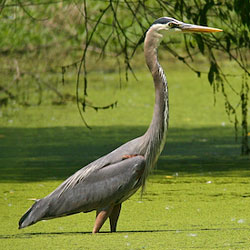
[
  {"x": 212, "y": 71},
  {"x": 242, "y": 8},
  {"x": 198, "y": 73},
  {"x": 63, "y": 73},
  {"x": 200, "y": 42},
  {"x": 203, "y": 12},
  {"x": 181, "y": 6},
  {"x": 232, "y": 38},
  {"x": 229, "y": 5},
  {"x": 228, "y": 43}
]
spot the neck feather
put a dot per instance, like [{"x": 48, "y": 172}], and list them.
[
  {"x": 154, "y": 138},
  {"x": 156, "y": 133}
]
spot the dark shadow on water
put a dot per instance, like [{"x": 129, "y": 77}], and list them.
[
  {"x": 37, "y": 154},
  {"x": 54, "y": 234}
]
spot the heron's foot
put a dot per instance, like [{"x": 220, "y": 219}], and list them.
[
  {"x": 128, "y": 156},
  {"x": 101, "y": 217},
  {"x": 113, "y": 218}
]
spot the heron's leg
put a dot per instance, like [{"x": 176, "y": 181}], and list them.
[
  {"x": 113, "y": 218},
  {"x": 101, "y": 217}
]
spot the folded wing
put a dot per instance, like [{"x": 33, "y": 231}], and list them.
[{"x": 110, "y": 184}]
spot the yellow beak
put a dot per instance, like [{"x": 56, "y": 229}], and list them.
[{"x": 196, "y": 28}]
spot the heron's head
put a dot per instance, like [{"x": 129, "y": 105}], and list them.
[
  {"x": 173, "y": 25},
  {"x": 156, "y": 30}
]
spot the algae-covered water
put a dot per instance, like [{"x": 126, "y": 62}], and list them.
[{"x": 198, "y": 197}]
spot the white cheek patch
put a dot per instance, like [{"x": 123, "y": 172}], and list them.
[{"x": 177, "y": 30}]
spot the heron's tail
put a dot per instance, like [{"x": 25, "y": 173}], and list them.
[{"x": 34, "y": 214}]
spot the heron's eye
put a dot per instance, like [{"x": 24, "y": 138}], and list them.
[{"x": 171, "y": 25}]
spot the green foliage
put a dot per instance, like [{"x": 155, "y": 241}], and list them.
[{"x": 57, "y": 36}]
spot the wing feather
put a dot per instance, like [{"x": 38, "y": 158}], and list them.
[
  {"x": 115, "y": 156},
  {"x": 109, "y": 185}
]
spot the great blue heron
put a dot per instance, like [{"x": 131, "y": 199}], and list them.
[{"x": 108, "y": 181}]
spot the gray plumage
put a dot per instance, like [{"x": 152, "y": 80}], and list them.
[
  {"x": 105, "y": 183},
  {"x": 105, "y": 186}
]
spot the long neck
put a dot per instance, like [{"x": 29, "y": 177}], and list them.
[{"x": 156, "y": 133}]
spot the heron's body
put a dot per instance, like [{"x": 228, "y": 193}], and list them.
[{"x": 105, "y": 183}]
